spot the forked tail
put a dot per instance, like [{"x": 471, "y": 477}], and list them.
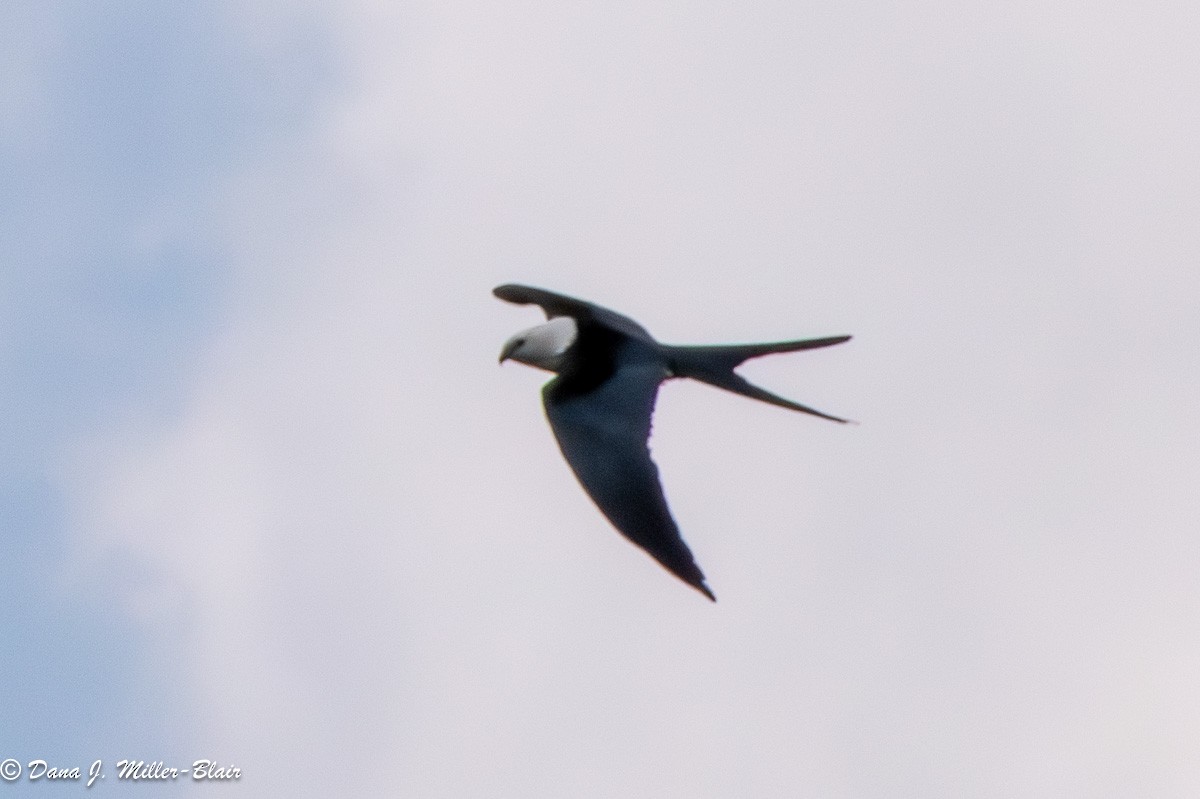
[{"x": 715, "y": 364}]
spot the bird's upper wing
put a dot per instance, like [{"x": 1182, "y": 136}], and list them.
[
  {"x": 603, "y": 434},
  {"x": 562, "y": 305}
]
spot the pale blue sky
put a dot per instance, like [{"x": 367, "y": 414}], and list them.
[
  {"x": 267, "y": 498},
  {"x": 122, "y": 120}
]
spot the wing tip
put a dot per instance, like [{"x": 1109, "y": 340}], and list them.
[
  {"x": 698, "y": 582},
  {"x": 509, "y": 292}
]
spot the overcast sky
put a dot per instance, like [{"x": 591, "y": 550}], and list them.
[{"x": 266, "y": 497}]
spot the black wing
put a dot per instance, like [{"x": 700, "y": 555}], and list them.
[
  {"x": 562, "y": 305},
  {"x": 602, "y": 433}
]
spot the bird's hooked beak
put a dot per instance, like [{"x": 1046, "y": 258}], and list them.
[{"x": 510, "y": 347}]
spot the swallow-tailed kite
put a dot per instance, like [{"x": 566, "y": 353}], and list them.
[{"x": 599, "y": 406}]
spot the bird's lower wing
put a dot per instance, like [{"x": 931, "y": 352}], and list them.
[{"x": 603, "y": 435}]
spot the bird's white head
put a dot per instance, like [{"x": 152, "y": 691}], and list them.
[{"x": 542, "y": 346}]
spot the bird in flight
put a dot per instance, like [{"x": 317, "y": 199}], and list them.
[{"x": 601, "y": 401}]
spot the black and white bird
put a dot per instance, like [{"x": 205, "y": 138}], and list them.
[{"x": 600, "y": 404}]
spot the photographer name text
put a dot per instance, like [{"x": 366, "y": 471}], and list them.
[{"x": 12, "y": 770}]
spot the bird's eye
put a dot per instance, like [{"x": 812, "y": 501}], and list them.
[{"x": 519, "y": 342}]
